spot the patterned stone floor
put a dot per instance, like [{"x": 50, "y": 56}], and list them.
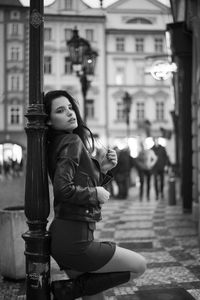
[
  {"x": 165, "y": 236},
  {"x": 168, "y": 240}
]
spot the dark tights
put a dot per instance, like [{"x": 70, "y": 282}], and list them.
[
  {"x": 159, "y": 183},
  {"x": 144, "y": 175}
]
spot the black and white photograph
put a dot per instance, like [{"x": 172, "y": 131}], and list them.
[{"x": 99, "y": 149}]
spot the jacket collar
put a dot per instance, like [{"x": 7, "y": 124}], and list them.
[{"x": 53, "y": 133}]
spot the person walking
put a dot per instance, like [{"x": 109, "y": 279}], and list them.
[
  {"x": 122, "y": 173},
  {"x": 159, "y": 168},
  {"x": 145, "y": 161},
  {"x": 79, "y": 188}
]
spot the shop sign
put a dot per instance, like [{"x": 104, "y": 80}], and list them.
[{"x": 162, "y": 70}]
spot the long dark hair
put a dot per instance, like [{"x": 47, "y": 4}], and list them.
[{"x": 82, "y": 130}]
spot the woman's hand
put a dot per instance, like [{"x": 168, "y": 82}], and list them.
[
  {"x": 110, "y": 160},
  {"x": 102, "y": 194}
]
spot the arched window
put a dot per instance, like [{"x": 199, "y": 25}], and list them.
[{"x": 139, "y": 21}]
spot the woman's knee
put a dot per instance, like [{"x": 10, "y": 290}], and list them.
[{"x": 141, "y": 265}]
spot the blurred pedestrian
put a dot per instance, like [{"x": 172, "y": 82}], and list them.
[
  {"x": 122, "y": 172},
  {"x": 159, "y": 168},
  {"x": 7, "y": 168},
  {"x": 15, "y": 168},
  {"x": 79, "y": 194},
  {"x": 145, "y": 161}
]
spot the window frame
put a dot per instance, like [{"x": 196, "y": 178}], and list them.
[
  {"x": 120, "y": 44},
  {"x": 90, "y": 108},
  {"x": 68, "y": 4},
  {"x": 139, "y": 44},
  {"x": 14, "y": 29},
  {"x": 18, "y": 115},
  {"x": 68, "y": 68},
  {"x": 89, "y": 34},
  {"x": 140, "y": 111},
  {"x": 158, "y": 45},
  {"x": 48, "y": 34},
  {"x": 120, "y": 112},
  {"x": 48, "y": 64},
  {"x": 120, "y": 75},
  {"x": 15, "y": 52},
  {"x": 68, "y": 32},
  {"x": 160, "y": 111},
  {"x": 14, "y": 82}
]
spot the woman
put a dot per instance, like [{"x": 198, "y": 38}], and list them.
[
  {"x": 79, "y": 193},
  {"x": 144, "y": 163}
]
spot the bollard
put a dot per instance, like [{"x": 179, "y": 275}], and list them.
[
  {"x": 12, "y": 225},
  {"x": 172, "y": 190}
]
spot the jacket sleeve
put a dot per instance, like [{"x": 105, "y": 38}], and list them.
[{"x": 64, "y": 187}]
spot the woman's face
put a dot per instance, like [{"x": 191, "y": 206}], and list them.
[{"x": 62, "y": 116}]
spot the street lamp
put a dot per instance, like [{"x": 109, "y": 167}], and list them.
[
  {"x": 127, "y": 107},
  {"x": 37, "y": 207},
  {"x": 83, "y": 60}
]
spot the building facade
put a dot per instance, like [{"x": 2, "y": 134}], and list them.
[
  {"x": 129, "y": 36},
  {"x": 13, "y": 80},
  {"x": 135, "y": 34}
]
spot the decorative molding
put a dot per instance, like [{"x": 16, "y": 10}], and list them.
[
  {"x": 128, "y": 20},
  {"x": 118, "y": 94}
]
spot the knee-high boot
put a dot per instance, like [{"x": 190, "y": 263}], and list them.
[{"x": 87, "y": 284}]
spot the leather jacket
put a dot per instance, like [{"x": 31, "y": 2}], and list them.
[{"x": 74, "y": 175}]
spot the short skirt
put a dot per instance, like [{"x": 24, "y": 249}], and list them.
[{"x": 73, "y": 246}]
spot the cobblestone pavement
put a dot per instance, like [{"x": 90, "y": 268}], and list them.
[{"x": 165, "y": 236}]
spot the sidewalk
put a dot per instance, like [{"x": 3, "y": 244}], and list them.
[{"x": 163, "y": 234}]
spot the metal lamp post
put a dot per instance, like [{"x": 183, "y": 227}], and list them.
[
  {"x": 127, "y": 107},
  {"x": 83, "y": 59},
  {"x": 37, "y": 207}
]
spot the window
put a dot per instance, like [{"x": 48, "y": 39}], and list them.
[
  {"x": 120, "y": 76},
  {"x": 160, "y": 109},
  {"x": 90, "y": 108},
  {"x": 119, "y": 44},
  {"x": 139, "y": 45},
  {"x": 120, "y": 112},
  {"x": 14, "y": 29},
  {"x": 47, "y": 64},
  {"x": 68, "y": 65},
  {"x": 47, "y": 34},
  {"x": 140, "y": 114},
  {"x": 14, "y": 83},
  {"x": 15, "y": 114},
  {"x": 68, "y": 34},
  {"x": 89, "y": 35},
  {"x": 68, "y": 4},
  {"x": 158, "y": 45},
  {"x": 15, "y": 53}
]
